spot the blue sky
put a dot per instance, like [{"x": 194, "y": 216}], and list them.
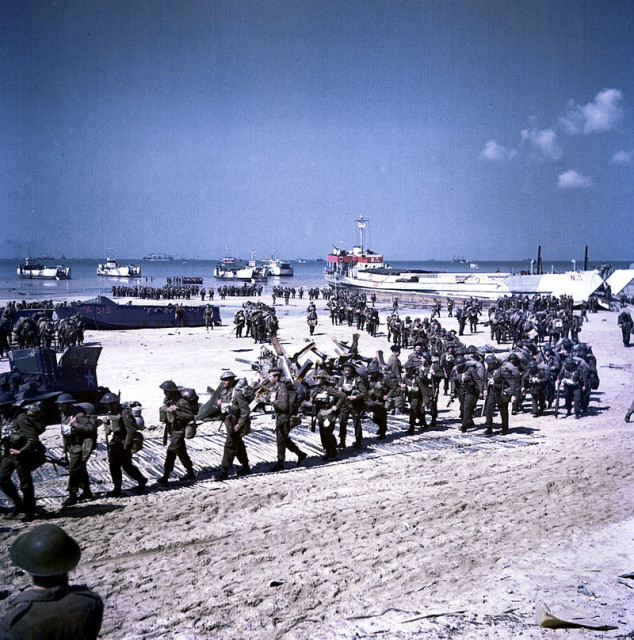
[{"x": 479, "y": 128}]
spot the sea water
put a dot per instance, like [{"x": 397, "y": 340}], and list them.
[{"x": 84, "y": 282}]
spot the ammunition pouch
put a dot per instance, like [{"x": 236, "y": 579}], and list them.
[
  {"x": 162, "y": 414},
  {"x": 137, "y": 442},
  {"x": 190, "y": 430}
]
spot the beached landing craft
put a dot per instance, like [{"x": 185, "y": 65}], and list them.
[
  {"x": 229, "y": 268},
  {"x": 104, "y": 313},
  {"x": 32, "y": 269},
  {"x": 364, "y": 269},
  {"x": 115, "y": 270}
]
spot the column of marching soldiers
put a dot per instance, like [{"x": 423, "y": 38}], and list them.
[{"x": 339, "y": 392}]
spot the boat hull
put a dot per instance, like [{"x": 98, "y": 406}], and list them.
[
  {"x": 578, "y": 284},
  {"x": 43, "y": 273},
  {"x": 102, "y": 313}
]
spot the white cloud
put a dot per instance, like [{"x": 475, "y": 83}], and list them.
[
  {"x": 602, "y": 114},
  {"x": 573, "y": 180},
  {"x": 545, "y": 141},
  {"x": 623, "y": 157},
  {"x": 496, "y": 152}
]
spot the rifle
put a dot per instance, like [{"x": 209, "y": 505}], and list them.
[{"x": 55, "y": 462}]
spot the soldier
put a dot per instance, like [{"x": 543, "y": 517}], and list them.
[
  {"x": 239, "y": 320},
  {"x": 235, "y": 412},
  {"x": 501, "y": 386},
  {"x": 394, "y": 362},
  {"x": 430, "y": 375},
  {"x": 209, "y": 317},
  {"x": 450, "y": 304},
  {"x": 411, "y": 388},
  {"x": 312, "y": 321},
  {"x": 377, "y": 395},
  {"x": 176, "y": 413},
  {"x": 571, "y": 378},
  {"x": 120, "y": 427},
  {"x": 51, "y": 608},
  {"x": 22, "y": 452},
  {"x": 513, "y": 367},
  {"x": 534, "y": 381},
  {"x": 352, "y": 403},
  {"x": 324, "y": 399},
  {"x": 626, "y": 323},
  {"x": 79, "y": 434},
  {"x": 467, "y": 387},
  {"x": 282, "y": 397}
]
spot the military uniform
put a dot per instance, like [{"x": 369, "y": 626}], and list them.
[
  {"x": 352, "y": 405},
  {"x": 377, "y": 395},
  {"x": 236, "y": 416},
  {"x": 281, "y": 395},
  {"x": 121, "y": 427},
  {"x": 79, "y": 434},
  {"x": 324, "y": 398},
  {"x": 59, "y": 612},
  {"x": 176, "y": 413},
  {"x": 21, "y": 435},
  {"x": 467, "y": 387}
]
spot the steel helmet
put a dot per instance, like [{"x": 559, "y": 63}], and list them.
[
  {"x": 226, "y": 375},
  {"x": 65, "y": 398},
  {"x": 109, "y": 398},
  {"x": 491, "y": 359},
  {"x": 460, "y": 361},
  {"x": 46, "y": 550},
  {"x": 168, "y": 385}
]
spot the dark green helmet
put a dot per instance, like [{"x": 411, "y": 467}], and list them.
[
  {"x": 46, "y": 550},
  {"x": 168, "y": 385},
  {"x": 109, "y": 398},
  {"x": 65, "y": 398}
]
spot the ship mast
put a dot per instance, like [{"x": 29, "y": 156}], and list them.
[{"x": 361, "y": 224}]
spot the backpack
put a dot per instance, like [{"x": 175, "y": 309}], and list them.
[
  {"x": 245, "y": 389},
  {"x": 192, "y": 398}
]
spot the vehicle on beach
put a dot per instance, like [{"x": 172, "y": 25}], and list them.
[
  {"x": 361, "y": 268},
  {"x": 33, "y": 269},
  {"x": 113, "y": 269},
  {"x": 103, "y": 313}
]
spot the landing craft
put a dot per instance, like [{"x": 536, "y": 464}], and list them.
[{"x": 361, "y": 268}]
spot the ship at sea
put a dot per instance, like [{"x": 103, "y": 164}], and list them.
[
  {"x": 158, "y": 257},
  {"x": 279, "y": 267},
  {"x": 113, "y": 269},
  {"x": 363, "y": 269},
  {"x": 230, "y": 268},
  {"x": 34, "y": 270}
]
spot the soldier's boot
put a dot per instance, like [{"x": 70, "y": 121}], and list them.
[
  {"x": 489, "y": 431},
  {"x": 115, "y": 493},
  {"x": 244, "y": 470},
  {"x": 140, "y": 488},
  {"x": 163, "y": 480},
  {"x": 357, "y": 443},
  {"x": 70, "y": 501},
  {"x": 342, "y": 444},
  {"x": 278, "y": 466},
  {"x": 223, "y": 475},
  {"x": 189, "y": 476},
  {"x": 301, "y": 456},
  {"x": 86, "y": 494}
]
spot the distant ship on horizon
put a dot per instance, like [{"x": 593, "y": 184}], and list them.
[{"x": 158, "y": 257}]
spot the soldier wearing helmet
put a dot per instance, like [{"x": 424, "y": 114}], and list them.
[
  {"x": 235, "y": 412},
  {"x": 79, "y": 435},
  {"x": 176, "y": 413},
  {"x": 324, "y": 400},
  {"x": 120, "y": 428},
  {"x": 352, "y": 404},
  {"x": 51, "y": 608},
  {"x": 573, "y": 383},
  {"x": 378, "y": 392},
  {"x": 501, "y": 386},
  {"x": 22, "y": 451},
  {"x": 467, "y": 386},
  {"x": 429, "y": 375}
]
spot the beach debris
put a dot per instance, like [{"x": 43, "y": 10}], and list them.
[
  {"x": 277, "y": 583},
  {"x": 627, "y": 575},
  {"x": 547, "y": 620},
  {"x": 585, "y": 591}
]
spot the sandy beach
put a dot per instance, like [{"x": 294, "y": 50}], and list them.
[{"x": 435, "y": 535}]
